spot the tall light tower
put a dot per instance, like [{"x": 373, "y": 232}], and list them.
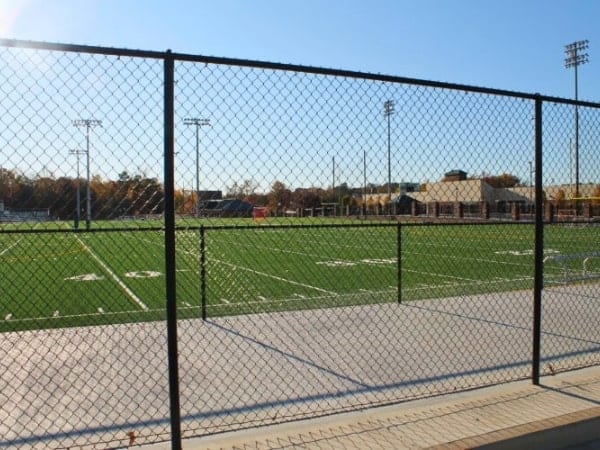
[
  {"x": 78, "y": 213},
  {"x": 574, "y": 59},
  {"x": 197, "y": 122},
  {"x": 388, "y": 110},
  {"x": 87, "y": 124}
]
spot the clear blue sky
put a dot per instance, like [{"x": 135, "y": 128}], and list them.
[{"x": 507, "y": 44}]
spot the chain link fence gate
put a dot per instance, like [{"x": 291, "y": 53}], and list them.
[{"x": 192, "y": 245}]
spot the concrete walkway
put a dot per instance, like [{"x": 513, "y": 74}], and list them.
[{"x": 563, "y": 412}]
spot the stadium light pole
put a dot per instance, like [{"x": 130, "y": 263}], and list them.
[
  {"x": 78, "y": 214},
  {"x": 388, "y": 110},
  {"x": 574, "y": 59},
  {"x": 87, "y": 124},
  {"x": 197, "y": 122}
]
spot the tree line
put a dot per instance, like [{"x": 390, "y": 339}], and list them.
[
  {"x": 139, "y": 195},
  {"x": 128, "y": 195},
  {"x": 280, "y": 197},
  {"x": 132, "y": 195}
]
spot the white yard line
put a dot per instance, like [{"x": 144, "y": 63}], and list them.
[
  {"x": 268, "y": 275},
  {"x": 9, "y": 247},
  {"x": 114, "y": 276},
  {"x": 440, "y": 275}
]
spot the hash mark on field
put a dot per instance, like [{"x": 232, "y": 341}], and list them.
[
  {"x": 187, "y": 304},
  {"x": 260, "y": 297},
  {"x": 8, "y": 317},
  {"x": 56, "y": 314},
  {"x": 122, "y": 285},
  {"x": 224, "y": 300},
  {"x": 100, "y": 310},
  {"x": 300, "y": 295}
]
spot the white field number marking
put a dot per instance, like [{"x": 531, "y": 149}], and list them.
[
  {"x": 143, "y": 274},
  {"x": 110, "y": 273},
  {"x": 95, "y": 277},
  {"x": 85, "y": 277},
  {"x": 337, "y": 263},
  {"x": 528, "y": 252},
  {"x": 371, "y": 262}
]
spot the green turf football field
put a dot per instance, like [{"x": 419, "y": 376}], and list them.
[{"x": 113, "y": 275}]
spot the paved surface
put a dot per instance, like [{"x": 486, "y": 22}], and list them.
[
  {"x": 92, "y": 387},
  {"x": 562, "y": 413}
]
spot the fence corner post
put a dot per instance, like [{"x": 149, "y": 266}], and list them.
[
  {"x": 538, "y": 282},
  {"x": 170, "y": 263},
  {"x": 203, "y": 271},
  {"x": 399, "y": 252}
]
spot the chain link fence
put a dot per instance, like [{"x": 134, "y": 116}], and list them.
[{"x": 193, "y": 245}]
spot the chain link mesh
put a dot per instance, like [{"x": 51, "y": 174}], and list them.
[
  {"x": 572, "y": 257},
  {"x": 342, "y": 241}
]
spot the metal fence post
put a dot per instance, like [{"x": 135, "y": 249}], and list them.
[
  {"x": 399, "y": 250},
  {"x": 170, "y": 264},
  {"x": 203, "y": 271},
  {"x": 538, "y": 283}
]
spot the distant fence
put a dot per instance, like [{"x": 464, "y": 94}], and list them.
[{"x": 387, "y": 268}]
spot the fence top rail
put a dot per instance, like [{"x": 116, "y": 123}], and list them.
[{"x": 113, "y": 51}]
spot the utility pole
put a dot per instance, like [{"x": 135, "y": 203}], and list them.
[
  {"x": 531, "y": 182},
  {"x": 78, "y": 213},
  {"x": 365, "y": 183},
  {"x": 388, "y": 111},
  {"x": 333, "y": 183},
  {"x": 87, "y": 124},
  {"x": 197, "y": 122},
  {"x": 574, "y": 59}
]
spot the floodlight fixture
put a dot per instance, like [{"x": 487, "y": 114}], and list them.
[{"x": 574, "y": 59}]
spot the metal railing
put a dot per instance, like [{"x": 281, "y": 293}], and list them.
[{"x": 219, "y": 244}]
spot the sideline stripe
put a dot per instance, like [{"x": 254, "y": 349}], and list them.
[{"x": 122, "y": 285}]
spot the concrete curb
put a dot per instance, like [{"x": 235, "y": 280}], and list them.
[
  {"x": 555, "y": 433},
  {"x": 559, "y": 414}
]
